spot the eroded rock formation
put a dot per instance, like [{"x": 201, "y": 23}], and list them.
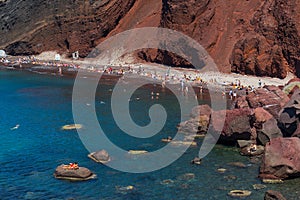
[{"x": 248, "y": 37}]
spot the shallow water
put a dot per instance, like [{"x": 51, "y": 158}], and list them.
[{"x": 42, "y": 104}]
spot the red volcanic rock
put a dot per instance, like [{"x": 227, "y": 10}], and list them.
[
  {"x": 236, "y": 125},
  {"x": 241, "y": 102},
  {"x": 281, "y": 159},
  {"x": 261, "y": 115},
  {"x": 271, "y": 99},
  {"x": 247, "y": 37},
  {"x": 268, "y": 131}
]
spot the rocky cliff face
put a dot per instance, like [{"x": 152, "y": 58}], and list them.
[
  {"x": 248, "y": 37},
  {"x": 34, "y": 26}
]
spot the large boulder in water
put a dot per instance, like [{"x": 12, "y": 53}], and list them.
[
  {"x": 80, "y": 174},
  {"x": 281, "y": 159},
  {"x": 290, "y": 116},
  {"x": 236, "y": 125}
]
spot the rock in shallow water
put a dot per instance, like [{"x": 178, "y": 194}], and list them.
[
  {"x": 80, "y": 174},
  {"x": 281, "y": 159},
  {"x": 100, "y": 156}
]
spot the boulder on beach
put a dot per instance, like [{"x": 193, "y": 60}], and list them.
[
  {"x": 100, "y": 156},
  {"x": 281, "y": 159},
  {"x": 273, "y": 195},
  {"x": 79, "y": 174}
]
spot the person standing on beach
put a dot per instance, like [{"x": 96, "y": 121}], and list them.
[
  {"x": 182, "y": 84},
  {"x": 230, "y": 93},
  {"x": 234, "y": 95}
]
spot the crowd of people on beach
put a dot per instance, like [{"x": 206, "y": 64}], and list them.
[{"x": 183, "y": 79}]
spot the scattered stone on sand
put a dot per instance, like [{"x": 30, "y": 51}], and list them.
[
  {"x": 259, "y": 186},
  {"x": 273, "y": 195},
  {"x": 100, "y": 156},
  {"x": 72, "y": 127},
  {"x": 80, "y": 174},
  {"x": 239, "y": 193},
  {"x": 281, "y": 159}
]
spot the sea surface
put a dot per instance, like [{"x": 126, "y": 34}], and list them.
[{"x": 42, "y": 104}]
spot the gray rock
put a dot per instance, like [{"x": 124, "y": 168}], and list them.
[{"x": 100, "y": 156}]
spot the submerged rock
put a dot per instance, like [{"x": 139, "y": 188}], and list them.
[
  {"x": 273, "y": 195},
  {"x": 72, "y": 127},
  {"x": 186, "y": 177},
  {"x": 80, "y": 174},
  {"x": 237, "y": 164},
  {"x": 259, "y": 186},
  {"x": 239, "y": 193},
  {"x": 281, "y": 159}
]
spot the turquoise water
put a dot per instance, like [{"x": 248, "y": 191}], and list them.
[{"x": 42, "y": 104}]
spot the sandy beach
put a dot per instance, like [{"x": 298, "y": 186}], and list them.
[{"x": 160, "y": 72}]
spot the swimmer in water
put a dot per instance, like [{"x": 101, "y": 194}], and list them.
[{"x": 16, "y": 127}]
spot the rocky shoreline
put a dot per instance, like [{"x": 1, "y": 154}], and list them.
[{"x": 264, "y": 124}]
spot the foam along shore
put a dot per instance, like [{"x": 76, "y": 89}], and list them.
[{"x": 158, "y": 72}]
